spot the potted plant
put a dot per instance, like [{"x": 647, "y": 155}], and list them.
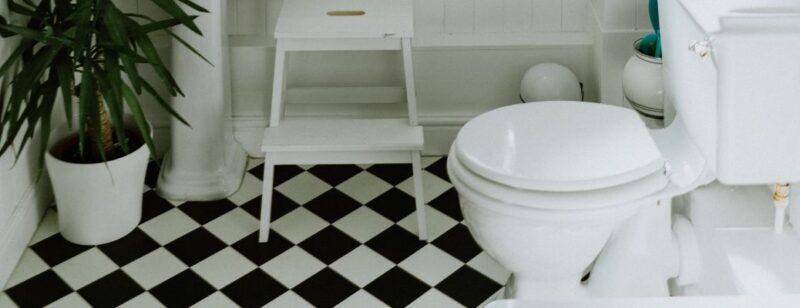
[{"x": 92, "y": 55}]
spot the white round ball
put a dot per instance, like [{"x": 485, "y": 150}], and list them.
[{"x": 550, "y": 82}]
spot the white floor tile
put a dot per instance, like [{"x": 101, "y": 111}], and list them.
[
  {"x": 434, "y": 298},
  {"x": 176, "y": 202},
  {"x": 73, "y": 300},
  {"x": 251, "y": 188},
  {"x": 433, "y": 186},
  {"x": 486, "y": 265},
  {"x": 84, "y": 268},
  {"x": 223, "y": 267},
  {"x": 363, "y": 224},
  {"x": 303, "y": 188},
  {"x": 361, "y": 299},
  {"x": 154, "y": 268},
  {"x": 48, "y": 227},
  {"x": 431, "y": 264},
  {"x": 233, "y": 226},
  {"x": 253, "y": 162},
  {"x": 362, "y": 265},
  {"x": 30, "y": 264},
  {"x": 298, "y": 225},
  {"x": 429, "y": 160},
  {"x": 289, "y": 299},
  {"x": 6, "y": 301},
  {"x": 364, "y": 187},
  {"x": 438, "y": 223},
  {"x": 216, "y": 300},
  {"x": 144, "y": 300},
  {"x": 293, "y": 267},
  {"x": 169, "y": 226}
]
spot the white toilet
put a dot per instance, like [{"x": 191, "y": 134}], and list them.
[{"x": 543, "y": 186}]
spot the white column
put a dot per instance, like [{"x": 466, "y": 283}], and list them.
[{"x": 205, "y": 162}]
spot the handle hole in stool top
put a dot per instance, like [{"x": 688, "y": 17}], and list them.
[{"x": 347, "y": 13}]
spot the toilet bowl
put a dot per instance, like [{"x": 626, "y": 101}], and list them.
[{"x": 543, "y": 186}]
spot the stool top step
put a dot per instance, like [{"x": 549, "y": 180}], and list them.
[
  {"x": 330, "y": 19},
  {"x": 343, "y": 135}
]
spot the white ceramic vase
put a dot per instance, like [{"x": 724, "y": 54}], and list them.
[
  {"x": 643, "y": 85},
  {"x": 101, "y": 202}
]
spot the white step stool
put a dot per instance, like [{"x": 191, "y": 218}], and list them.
[{"x": 336, "y": 25}]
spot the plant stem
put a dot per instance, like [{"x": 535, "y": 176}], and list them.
[{"x": 106, "y": 131}]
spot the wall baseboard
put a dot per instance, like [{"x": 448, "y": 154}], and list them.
[{"x": 17, "y": 233}]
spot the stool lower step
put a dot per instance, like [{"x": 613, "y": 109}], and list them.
[{"x": 343, "y": 135}]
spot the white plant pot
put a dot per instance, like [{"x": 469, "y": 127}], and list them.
[
  {"x": 643, "y": 84},
  {"x": 101, "y": 202}
]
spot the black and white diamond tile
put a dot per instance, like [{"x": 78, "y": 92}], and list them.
[{"x": 342, "y": 236}]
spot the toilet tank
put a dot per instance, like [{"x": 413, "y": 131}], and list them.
[{"x": 732, "y": 71}]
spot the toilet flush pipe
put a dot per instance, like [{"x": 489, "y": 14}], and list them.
[{"x": 780, "y": 199}]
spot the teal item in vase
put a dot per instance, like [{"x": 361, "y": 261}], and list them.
[
  {"x": 656, "y": 26},
  {"x": 649, "y": 44}
]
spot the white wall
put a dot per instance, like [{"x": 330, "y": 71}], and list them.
[
  {"x": 469, "y": 58},
  {"x": 23, "y": 200},
  {"x": 616, "y": 26}
]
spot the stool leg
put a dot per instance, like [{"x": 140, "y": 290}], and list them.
[
  {"x": 419, "y": 197},
  {"x": 266, "y": 199}
]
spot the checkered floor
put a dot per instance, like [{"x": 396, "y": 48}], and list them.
[{"x": 341, "y": 236}]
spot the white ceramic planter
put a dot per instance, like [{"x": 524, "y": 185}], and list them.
[
  {"x": 643, "y": 84},
  {"x": 97, "y": 203}
]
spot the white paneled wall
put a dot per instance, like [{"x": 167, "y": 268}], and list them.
[
  {"x": 618, "y": 24},
  {"x": 469, "y": 58},
  {"x": 445, "y": 17},
  {"x": 622, "y": 14}
]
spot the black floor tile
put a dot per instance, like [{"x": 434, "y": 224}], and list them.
[
  {"x": 39, "y": 291},
  {"x": 448, "y": 203},
  {"x": 195, "y": 246},
  {"x": 459, "y": 243},
  {"x": 326, "y": 288},
  {"x": 56, "y": 249},
  {"x": 393, "y": 204},
  {"x": 335, "y": 174},
  {"x": 282, "y": 173},
  {"x": 391, "y": 173},
  {"x": 153, "y": 205},
  {"x": 468, "y": 287},
  {"x": 281, "y": 205},
  {"x": 112, "y": 290},
  {"x": 129, "y": 248},
  {"x": 261, "y": 253},
  {"x": 397, "y": 288},
  {"x": 254, "y": 289},
  {"x": 329, "y": 244},
  {"x": 395, "y": 243},
  {"x": 439, "y": 168},
  {"x": 182, "y": 290},
  {"x": 332, "y": 205},
  {"x": 204, "y": 212}
]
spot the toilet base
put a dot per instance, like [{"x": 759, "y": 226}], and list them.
[{"x": 516, "y": 288}]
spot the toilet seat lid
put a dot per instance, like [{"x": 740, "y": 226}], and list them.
[{"x": 558, "y": 146}]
